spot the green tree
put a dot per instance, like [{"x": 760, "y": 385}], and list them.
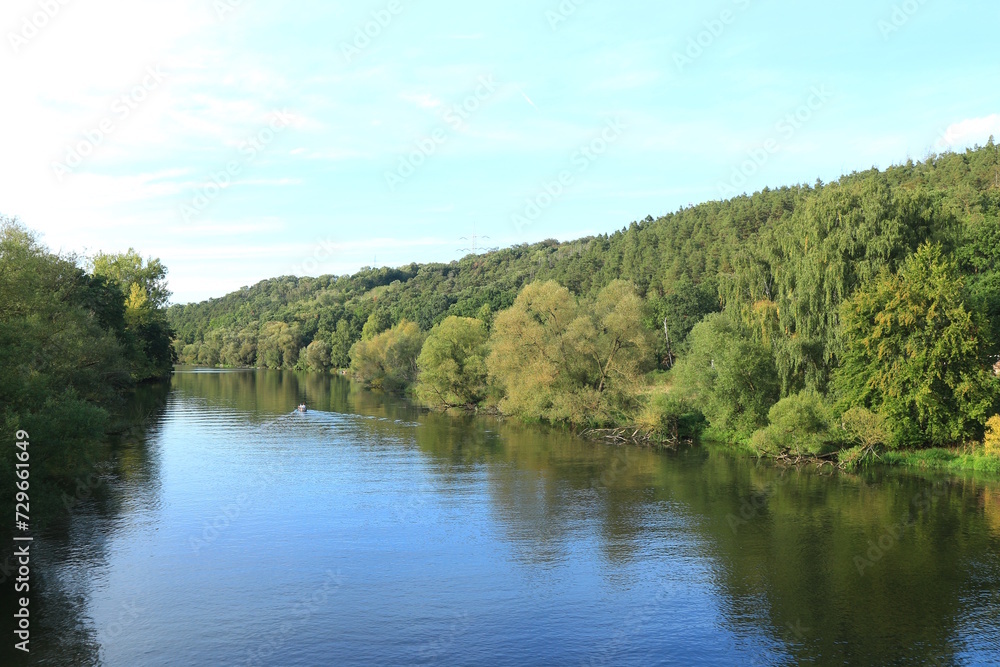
[
  {"x": 389, "y": 360},
  {"x": 64, "y": 364},
  {"x": 129, "y": 268},
  {"x": 147, "y": 333},
  {"x": 729, "y": 375},
  {"x": 452, "y": 364},
  {"x": 916, "y": 355},
  {"x": 277, "y": 346},
  {"x": 559, "y": 361},
  {"x": 527, "y": 357},
  {"x": 380, "y": 320},
  {"x": 316, "y": 356},
  {"x": 340, "y": 344}
]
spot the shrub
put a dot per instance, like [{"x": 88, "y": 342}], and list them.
[
  {"x": 865, "y": 428},
  {"x": 671, "y": 418},
  {"x": 992, "y": 439},
  {"x": 799, "y": 425}
]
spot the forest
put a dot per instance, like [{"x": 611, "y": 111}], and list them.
[
  {"x": 845, "y": 319},
  {"x": 75, "y": 343}
]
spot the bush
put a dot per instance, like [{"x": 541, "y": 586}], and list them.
[
  {"x": 799, "y": 425},
  {"x": 992, "y": 439},
  {"x": 671, "y": 418},
  {"x": 865, "y": 428}
]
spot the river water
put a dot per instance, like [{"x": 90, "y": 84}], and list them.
[{"x": 369, "y": 532}]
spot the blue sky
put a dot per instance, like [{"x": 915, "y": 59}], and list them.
[{"x": 239, "y": 140}]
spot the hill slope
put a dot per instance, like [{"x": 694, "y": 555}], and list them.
[{"x": 801, "y": 249}]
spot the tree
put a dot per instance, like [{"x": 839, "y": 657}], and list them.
[
  {"x": 340, "y": 344},
  {"x": 277, "y": 346},
  {"x": 147, "y": 333},
  {"x": 389, "y": 360},
  {"x": 558, "y": 360},
  {"x": 316, "y": 356},
  {"x": 380, "y": 320},
  {"x": 129, "y": 268},
  {"x": 915, "y": 354},
  {"x": 676, "y": 313},
  {"x": 729, "y": 375},
  {"x": 798, "y": 424},
  {"x": 452, "y": 364},
  {"x": 65, "y": 364},
  {"x": 527, "y": 357}
]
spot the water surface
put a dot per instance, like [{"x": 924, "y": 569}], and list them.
[{"x": 368, "y": 532}]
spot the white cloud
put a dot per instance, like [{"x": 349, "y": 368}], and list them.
[
  {"x": 422, "y": 100},
  {"x": 968, "y": 132}
]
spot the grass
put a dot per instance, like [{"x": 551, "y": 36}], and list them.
[{"x": 952, "y": 460}]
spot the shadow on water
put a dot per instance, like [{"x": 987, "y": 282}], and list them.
[{"x": 111, "y": 480}]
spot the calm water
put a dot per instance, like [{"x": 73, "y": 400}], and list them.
[{"x": 366, "y": 532}]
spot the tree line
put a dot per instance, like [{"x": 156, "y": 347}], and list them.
[
  {"x": 77, "y": 335},
  {"x": 852, "y": 316}
]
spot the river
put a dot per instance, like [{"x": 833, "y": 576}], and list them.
[{"x": 369, "y": 532}]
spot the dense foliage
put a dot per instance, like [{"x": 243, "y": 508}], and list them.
[
  {"x": 800, "y": 360},
  {"x": 560, "y": 359},
  {"x": 914, "y": 353},
  {"x": 72, "y": 344},
  {"x": 388, "y": 360},
  {"x": 452, "y": 364}
]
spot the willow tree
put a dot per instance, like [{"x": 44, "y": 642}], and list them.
[
  {"x": 563, "y": 361},
  {"x": 915, "y": 354},
  {"x": 788, "y": 282},
  {"x": 388, "y": 361},
  {"x": 452, "y": 364}
]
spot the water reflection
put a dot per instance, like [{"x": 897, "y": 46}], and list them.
[
  {"x": 462, "y": 540},
  {"x": 72, "y": 539}
]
